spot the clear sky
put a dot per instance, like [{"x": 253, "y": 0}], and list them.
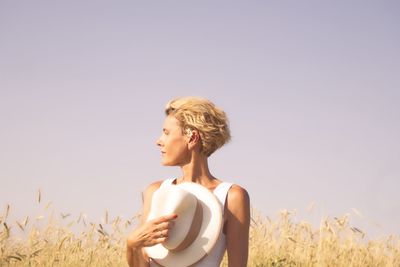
[{"x": 312, "y": 90}]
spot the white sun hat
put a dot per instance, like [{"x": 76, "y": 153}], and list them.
[{"x": 196, "y": 228}]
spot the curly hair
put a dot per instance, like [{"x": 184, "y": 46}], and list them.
[{"x": 196, "y": 113}]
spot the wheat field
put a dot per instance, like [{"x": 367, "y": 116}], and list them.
[{"x": 66, "y": 240}]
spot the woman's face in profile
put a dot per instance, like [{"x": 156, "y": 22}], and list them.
[{"x": 173, "y": 144}]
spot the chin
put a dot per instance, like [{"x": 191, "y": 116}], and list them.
[{"x": 168, "y": 163}]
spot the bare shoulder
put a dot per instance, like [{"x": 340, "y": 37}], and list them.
[
  {"x": 238, "y": 207},
  {"x": 237, "y": 195},
  {"x": 148, "y": 192},
  {"x": 146, "y": 197}
]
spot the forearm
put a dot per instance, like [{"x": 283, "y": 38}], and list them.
[{"x": 135, "y": 258}]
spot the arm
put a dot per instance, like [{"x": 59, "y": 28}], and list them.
[
  {"x": 237, "y": 228},
  {"x": 148, "y": 233}
]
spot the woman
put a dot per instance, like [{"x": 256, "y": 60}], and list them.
[{"x": 194, "y": 128}]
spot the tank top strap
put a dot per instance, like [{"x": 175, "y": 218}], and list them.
[
  {"x": 221, "y": 191},
  {"x": 167, "y": 182}
]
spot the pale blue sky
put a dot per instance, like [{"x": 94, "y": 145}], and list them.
[{"x": 312, "y": 90}]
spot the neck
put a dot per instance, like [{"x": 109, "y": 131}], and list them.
[{"x": 196, "y": 170}]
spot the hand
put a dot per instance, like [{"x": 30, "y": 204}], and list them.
[{"x": 151, "y": 232}]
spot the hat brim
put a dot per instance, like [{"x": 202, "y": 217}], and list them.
[{"x": 205, "y": 240}]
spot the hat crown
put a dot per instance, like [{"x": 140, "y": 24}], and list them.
[
  {"x": 210, "y": 225},
  {"x": 175, "y": 200}
]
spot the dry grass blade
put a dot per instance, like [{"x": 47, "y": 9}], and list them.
[
  {"x": 6, "y": 227},
  {"x": 357, "y": 212},
  {"x": 84, "y": 221},
  {"x": 127, "y": 223},
  {"x": 26, "y": 221},
  {"x": 341, "y": 221},
  {"x": 62, "y": 242},
  {"x": 101, "y": 232},
  {"x": 116, "y": 221},
  {"x": 20, "y": 255},
  {"x": 65, "y": 215},
  {"x": 7, "y": 230},
  {"x": 20, "y": 225},
  {"x": 36, "y": 252},
  {"x": 356, "y": 230},
  {"x": 253, "y": 222},
  {"x": 14, "y": 257},
  {"x": 7, "y": 212},
  {"x": 48, "y": 205},
  {"x": 106, "y": 217},
  {"x": 311, "y": 207},
  {"x": 79, "y": 218},
  {"x": 39, "y": 197}
]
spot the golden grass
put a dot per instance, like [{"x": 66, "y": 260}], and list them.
[
  {"x": 334, "y": 243},
  {"x": 55, "y": 241}
]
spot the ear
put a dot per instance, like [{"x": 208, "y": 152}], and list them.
[{"x": 194, "y": 138}]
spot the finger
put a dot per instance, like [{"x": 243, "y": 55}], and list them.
[
  {"x": 165, "y": 218},
  {"x": 164, "y": 233},
  {"x": 159, "y": 237},
  {"x": 161, "y": 240},
  {"x": 165, "y": 225},
  {"x": 155, "y": 241}
]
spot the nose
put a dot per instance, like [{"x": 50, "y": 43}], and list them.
[{"x": 158, "y": 142}]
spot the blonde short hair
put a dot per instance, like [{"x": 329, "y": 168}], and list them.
[{"x": 195, "y": 113}]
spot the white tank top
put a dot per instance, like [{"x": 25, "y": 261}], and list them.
[{"x": 214, "y": 257}]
